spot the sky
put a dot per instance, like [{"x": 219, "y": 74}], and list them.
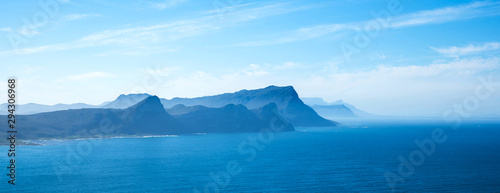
[{"x": 387, "y": 57}]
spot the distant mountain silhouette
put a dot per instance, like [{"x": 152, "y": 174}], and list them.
[
  {"x": 274, "y": 108},
  {"x": 145, "y": 118},
  {"x": 122, "y": 102},
  {"x": 337, "y": 109},
  {"x": 33, "y": 108},
  {"x": 334, "y": 111},
  {"x": 148, "y": 117},
  {"x": 289, "y": 105},
  {"x": 286, "y": 100}
]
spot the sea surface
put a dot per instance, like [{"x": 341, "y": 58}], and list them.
[{"x": 350, "y": 158}]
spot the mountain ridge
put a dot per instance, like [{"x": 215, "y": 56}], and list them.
[{"x": 286, "y": 99}]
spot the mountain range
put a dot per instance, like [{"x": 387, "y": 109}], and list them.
[
  {"x": 287, "y": 101},
  {"x": 274, "y": 108},
  {"x": 148, "y": 117}
]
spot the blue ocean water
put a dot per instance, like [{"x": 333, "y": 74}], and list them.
[{"x": 350, "y": 158}]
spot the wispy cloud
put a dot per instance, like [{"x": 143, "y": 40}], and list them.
[
  {"x": 303, "y": 34},
  {"x": 288, "y": 66},
  {"x": 138, "y": 51},
  {"x": 34, "y": 29},
  {"x": 441, "y": 15},
  {"x": 6, "y": 29},
  {"x": 153, "y": 34},
  {"x": 167, "y": 4},
  {"x": 468, "y": 50},
  {"x": 90, "y": 75},
  {"x": 253, "y": 70},
  {"x": 72, "y": 17},
  {"x": 447, "y": 14}
]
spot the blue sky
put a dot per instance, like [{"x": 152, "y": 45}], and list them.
[{"x": 386, "y": 57}]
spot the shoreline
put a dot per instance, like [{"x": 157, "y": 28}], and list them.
[{"x": 39, "y": 142}]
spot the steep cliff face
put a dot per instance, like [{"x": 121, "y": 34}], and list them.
[{"x": 302, "y": 115}]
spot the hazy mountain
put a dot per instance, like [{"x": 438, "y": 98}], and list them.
[
  {"x": 148, "y": 117},
  {"x": 286, "y": 100},
  {"x": 33, "y": 108},
  {"x": 355, "y": 110},
  {"x": 145, "y": 118},
  {"x": 289, "y": 105},
  {"x": 252, "y": 99},
  {"x": 314, "y": 101},
  {"x": 336, "y": 109}
]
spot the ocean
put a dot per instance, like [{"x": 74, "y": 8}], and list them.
[{"x": 382, "y": 156}]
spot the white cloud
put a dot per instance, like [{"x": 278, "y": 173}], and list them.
[
  {"x": 167, "y": 4},
  {"x": 378, "y": 56},
  {"x": 161, "y": 71},
  {"x": 468, "y": 50},
  {"x": 138, "y": 51},
  {"x": 6, "y": 29},
  {"x": 303, "y": 34},
  {"x": 72, "y": 17},
  {"x": 288, "y": 66},
  {"x": 90, "y": 75},
  {"x": 253, "y": 70},
  {"x": 29, "y": 30},
  {"x": 408, "y": 90}
]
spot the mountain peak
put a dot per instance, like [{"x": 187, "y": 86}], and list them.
[
  {"x": 151, "y": 104},
  {"x": 281, "y": 87},
  {"x": 122, "y": 96},
  {"x": 126, "y": 100},
  {"x": 337, "y": 102}
]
